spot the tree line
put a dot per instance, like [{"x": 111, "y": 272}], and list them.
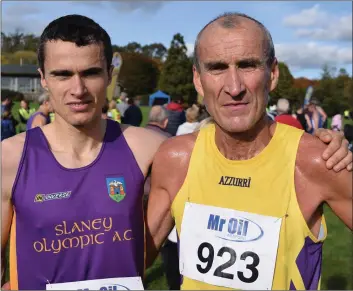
[{"x": 151, "y": 67}]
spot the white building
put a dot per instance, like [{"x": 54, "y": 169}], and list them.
[{"x": 21, "y": 78}]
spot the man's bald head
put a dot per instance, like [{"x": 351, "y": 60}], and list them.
[
  {"x": 231, "y": 20},
  {"x": 158, "y": 114}
]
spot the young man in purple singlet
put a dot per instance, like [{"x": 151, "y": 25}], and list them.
[{"x": 72, "y": 190}]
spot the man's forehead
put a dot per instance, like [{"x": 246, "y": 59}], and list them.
[
  {"x": 233, "y": 49},
  {"x": 66, "y": 53},
  {"x": 246, "y": 36}
]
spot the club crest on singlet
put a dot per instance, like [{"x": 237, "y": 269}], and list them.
[{"x": 116, "y": 188}]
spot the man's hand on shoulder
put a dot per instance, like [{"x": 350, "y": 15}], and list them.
[
  {"x": 336, "y": 154},
  {"x": 321, "y": 183}
]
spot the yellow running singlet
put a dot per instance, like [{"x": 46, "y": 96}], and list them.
[{"x": 239, "y": 222}]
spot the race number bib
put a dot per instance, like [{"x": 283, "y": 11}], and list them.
[
  {"x": 228, "y": 248},
  {"x": 129, "y": 283}
]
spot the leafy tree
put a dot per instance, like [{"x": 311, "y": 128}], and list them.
[
  {"x": 176, "y": 76},
  {"x": 334, "y": 92},
  {"x": 285, "y": 84},
  {"x": 26, "y": 57},
  {"x": 138, "y": 74},
  {"x": 155, "y": 50}
]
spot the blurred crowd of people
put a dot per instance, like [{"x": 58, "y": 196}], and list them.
[{"x": 174, "y": 118}]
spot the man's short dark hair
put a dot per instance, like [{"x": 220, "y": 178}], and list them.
[{"x": 78, "y": 29}]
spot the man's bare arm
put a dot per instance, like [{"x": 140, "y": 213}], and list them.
[
  {"x": 169, "y": 170},
  {"x": 10, "y": 158}
]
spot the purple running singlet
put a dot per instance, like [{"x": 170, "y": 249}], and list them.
[{"x": 76, "y": 224}]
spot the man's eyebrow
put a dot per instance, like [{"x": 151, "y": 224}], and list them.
[
  {"x": 93, "y": 70},
  {"x": 255, "y": 61},
  {"x": 213, "y": 64},
  {"x": 61, "y": 73}
]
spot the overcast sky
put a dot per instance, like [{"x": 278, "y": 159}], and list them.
[{"x": 306, "y": 34}]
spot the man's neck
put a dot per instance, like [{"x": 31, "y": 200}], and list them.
[
  {"x": 245, "y": 145},
  {"x": 80, "y": 140}
]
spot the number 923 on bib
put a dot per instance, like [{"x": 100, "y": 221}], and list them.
[{"x": 228, "y": 248}]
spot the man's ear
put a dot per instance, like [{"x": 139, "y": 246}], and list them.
[
  {"x": 110, "y": 74},
  {"x": 274, "y": 75},
  {"x": 197, "y": 80},
  {"x": 43, "y": 82}
]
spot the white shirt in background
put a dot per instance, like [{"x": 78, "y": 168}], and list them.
[{"x": 187, "y": 127}]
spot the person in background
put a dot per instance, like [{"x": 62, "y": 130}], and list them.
[
  {"x": 42, "y": 116},
  {"x": 133, "y": 114},
  {"x": 192, "y": 115},
  {"x": 25, "y": 113},
  {"x": 6, "y": 103},
  {"x": 114, "y": 113},
  {"x": 105, "y": 109},
  {"x": 346, "y": 114},
  {"x": 122, "y": 104},
  {"x": 323, "y": 115},
  {"x": 302, "y": 116},
  {"x": 158, "y": 120},
  {"x": 317, "y": 115},
  {"x": 283, "y": 115},
  {"x": 176, "y": 115},
  {"x": 7, "y": 125},
  {"x": 203, "y": 114},
  {"x": 336, "y": 123}
]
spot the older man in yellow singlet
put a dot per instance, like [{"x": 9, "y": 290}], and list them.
[{"x": 246, "y": 193}]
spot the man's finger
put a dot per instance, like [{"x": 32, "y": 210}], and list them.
[
  {"x": 341, "y": 155},
  {"x": 343, "y": 164},
  {"x": 350, "y": 167},
  {"x": 334, "y": 149}
]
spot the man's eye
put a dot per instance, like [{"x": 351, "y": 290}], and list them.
[
  {"x": 248, "y": 66},
  {"x": 217, "y": 68}
]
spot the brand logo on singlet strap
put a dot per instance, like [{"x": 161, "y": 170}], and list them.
[
  {"x": 53, "y": 196},
  {"x": 116, "y": 188}
]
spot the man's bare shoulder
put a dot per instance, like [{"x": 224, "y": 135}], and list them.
[
  {"x": 142, "y": 136},
  {"x": 178, "y": 149},
  {"x": 312, "y": 168},
  {"x": 11, "y": 148},
  {"x": 171, "y": 163},
  {"x": 11, "y": 153},
  {"x": 143, "y": 143},
  {"x": 309, "y": 157}
]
